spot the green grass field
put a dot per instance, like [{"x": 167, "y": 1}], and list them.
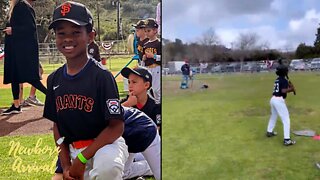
[
  {"x": 219, "y": 133},
  {"x": 40, "y": 161}
]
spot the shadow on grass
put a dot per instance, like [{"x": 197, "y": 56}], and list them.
[{"x": 8, "y": 127}]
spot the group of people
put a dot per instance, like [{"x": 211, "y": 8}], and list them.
[{"x": 99, "y": 135}]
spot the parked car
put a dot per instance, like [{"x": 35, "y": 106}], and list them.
[
  {"x": 315, "y": 64},
  {"x": 251, "y": 67},
  {"x": 297, "y": 64},
  {"x": 195, "y": 69},
  {"x": 165, "y": 71},
  {"x": 233, "y": 67},
  {"x": 218, "y": 69}
]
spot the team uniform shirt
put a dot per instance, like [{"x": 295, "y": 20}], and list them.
[
  {"x": 93, "y": 51},
  {"x": 139, "y": 130},
  {"x": 82, "y": 105},
  {"x": 185, "y": 69},
  {"x": 140, "y": 45},
  {"x": 279, "y": 84},
  {"x": 155, "y": 48},
  {"x": 151, "y": 108}
]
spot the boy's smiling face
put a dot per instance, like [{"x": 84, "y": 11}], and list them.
[{"x": 72, "y": 40}]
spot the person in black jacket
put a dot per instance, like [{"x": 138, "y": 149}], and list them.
[
  {"x": 185, "y": 69},
  {"x": 21, "y": 63}
]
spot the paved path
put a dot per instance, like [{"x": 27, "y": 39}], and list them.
[{"x": 29, "y": 122}]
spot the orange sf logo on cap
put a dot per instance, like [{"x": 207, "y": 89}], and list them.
[{"x": 65, "y": 9}]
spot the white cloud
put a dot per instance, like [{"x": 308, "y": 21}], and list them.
[
  {"x": 282, "y": 23},
  {"x": 304, "y": 29}
]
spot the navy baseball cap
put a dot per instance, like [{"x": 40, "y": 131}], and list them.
[
  {"x": 73, "y": 12},
  {"x": 139, "y": 71},
  {"x": 151, "y": 23},
  {"x": 140, "y": 24}
]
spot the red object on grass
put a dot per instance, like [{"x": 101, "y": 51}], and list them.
[{"x": 316, "y": 137}]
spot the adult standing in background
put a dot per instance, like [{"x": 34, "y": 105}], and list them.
[{"x": 21, "y": 63}]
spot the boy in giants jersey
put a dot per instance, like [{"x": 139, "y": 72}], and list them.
[
  {"x": 83, "y": 102},
  {"x": 152, "y": 55},
  {"x": 278, "y": 105}
]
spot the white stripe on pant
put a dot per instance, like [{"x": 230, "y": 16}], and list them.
[
  {"x": 279, "y": 108},
  {"x": 108, "y": 162}
]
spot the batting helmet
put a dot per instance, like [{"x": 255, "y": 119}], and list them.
[{"x": 282, "y": 70}]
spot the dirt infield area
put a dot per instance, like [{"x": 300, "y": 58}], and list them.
[{"x": 30, "y": 121}]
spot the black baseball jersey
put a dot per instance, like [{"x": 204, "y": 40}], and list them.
[
  {"x": 280, "y": 83},
  {"x": 83, "y": 104},
  {"x": 93, "y": 51},
  {"x": 140, "y": 45},
  {"x": 185, "y": 69},
  {"x": 139, "y": 130},
  {"x": 155, "y": 48}
]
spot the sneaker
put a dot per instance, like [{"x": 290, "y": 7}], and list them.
[
  {"x": 140, "y": 178},
  {"x": 12, "y": 110},
  {"x": 289, "y": 142},
  {"x": 34, "y": 101},
  {"x": 318, "y": 165},
  {"x": 271, "y": 134},
  {"x": 25, "y": 104}
]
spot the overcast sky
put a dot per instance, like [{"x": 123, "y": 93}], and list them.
[{"x": 282, "y": 23}]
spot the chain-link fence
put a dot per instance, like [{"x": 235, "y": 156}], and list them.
[{"x": 174, "y": 67}]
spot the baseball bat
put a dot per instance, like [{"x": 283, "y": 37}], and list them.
[
  {"x": 123, "y": 67},
  {"x": 294, "y": 90}
]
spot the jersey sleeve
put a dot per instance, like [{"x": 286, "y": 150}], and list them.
[
  {"x": 50, "y": 105},
  {"x": 109, "y": 96}
]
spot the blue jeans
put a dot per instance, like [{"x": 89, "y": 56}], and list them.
[{"x": 185, "y": 79}]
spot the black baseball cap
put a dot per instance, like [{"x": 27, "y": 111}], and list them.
[
  {"x": 139, "y": 71},
  {"x": 74, "y": 12},
  {"x": 140, "y": 24},
  {"x": 151, "y": 23}
]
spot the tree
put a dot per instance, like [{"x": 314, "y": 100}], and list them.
[
  {"x": 209, "y": 38},
  {"x": 304, "y": 51},
  {"x": 317, "y": 41},
  {"x": 247, "y": 41}
]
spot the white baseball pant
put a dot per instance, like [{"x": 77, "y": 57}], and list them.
[
  {"x": 156, "y": 82},
  {"x": 108, "y": 162},
  {"x": 279, "y": 108}
]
